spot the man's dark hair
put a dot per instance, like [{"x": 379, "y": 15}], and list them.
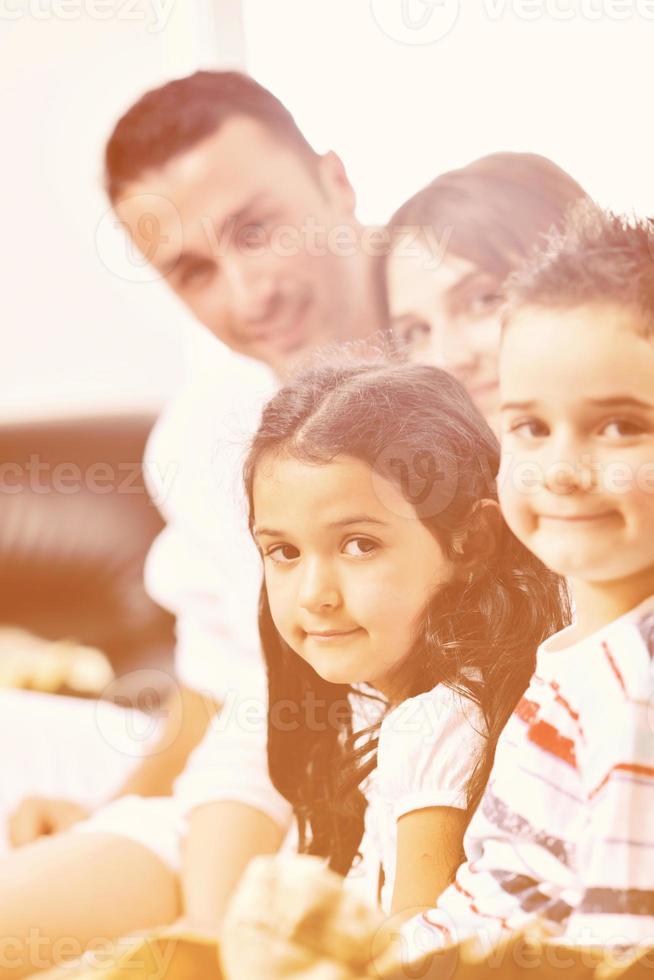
[
  {"x": 175, "y": 117},
  {"x": 598, "y": 257}
]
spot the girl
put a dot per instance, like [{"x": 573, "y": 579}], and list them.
[
  {"x": 372, "y": 499},
  {"x": 475, "y": 226}
]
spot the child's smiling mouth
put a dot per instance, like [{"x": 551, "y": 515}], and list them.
[
  {"x": 578, "y": 518},
  {"x": 326, "y": 635}
]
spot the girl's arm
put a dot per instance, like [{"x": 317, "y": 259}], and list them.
[
  {"x": 428, "y": 749},
  {"x": 429, "y": 850},
  {"x": 233, "y": 811},
  {"x": 223, "y": 838}
]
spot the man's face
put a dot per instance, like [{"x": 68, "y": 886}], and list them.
[{"x": 253, "y": 241}]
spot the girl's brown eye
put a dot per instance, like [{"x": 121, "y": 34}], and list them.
[
  {"x": 362, "y": 546},
  {"x": 529, "y": 429},
  {"x": 621, "y": 428},
  {"x": 283, "y": 553}
]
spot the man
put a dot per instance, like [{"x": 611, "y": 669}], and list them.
[{"x": 257, "y": 236}]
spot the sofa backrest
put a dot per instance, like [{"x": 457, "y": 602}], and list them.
[{"x": 75, "y": 527}]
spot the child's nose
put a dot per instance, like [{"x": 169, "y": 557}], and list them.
[
  {"x": 570, "y": 468},
  {"x": 318, "y": 588}
]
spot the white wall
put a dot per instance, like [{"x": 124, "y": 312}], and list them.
[
  {"x": 80, "y": 329},
  {"x": 568, "y": 78}
]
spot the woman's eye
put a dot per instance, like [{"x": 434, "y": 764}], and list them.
[
  {"x": 413, "y": 332},
  {"x": 358, "y": 547},
  {"x": 417, "y": 331},
  {"x": 484, "y": 303},
  {"x": 622, "y": 428},
  {"x": 282, "y": 554}
]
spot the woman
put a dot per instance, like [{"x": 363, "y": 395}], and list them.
[{"x": 453, "y": 245}]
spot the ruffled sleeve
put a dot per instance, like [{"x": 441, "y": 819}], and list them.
[{"x": 428, "y": 749}]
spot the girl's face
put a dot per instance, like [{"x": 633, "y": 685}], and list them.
[
  {"x": 447, "y": 312},
  {"x": 348, "y": 565}
]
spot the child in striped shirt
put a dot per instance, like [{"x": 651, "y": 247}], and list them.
[{"x": 565, "y": 830}]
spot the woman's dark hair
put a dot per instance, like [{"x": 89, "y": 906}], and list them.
[
  {"x": 494, "y": 210},
  {"x": 416, "y": 426}
]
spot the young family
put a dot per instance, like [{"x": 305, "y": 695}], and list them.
[{"x": 485, "y": 755}]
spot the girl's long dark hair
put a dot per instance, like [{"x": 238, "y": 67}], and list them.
[{"x": 416, "y": 426}]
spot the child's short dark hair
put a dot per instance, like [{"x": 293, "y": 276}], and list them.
[{"x": 598, "y": 257}]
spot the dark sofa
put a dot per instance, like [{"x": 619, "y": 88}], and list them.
[{"x": 75, "y": 526}]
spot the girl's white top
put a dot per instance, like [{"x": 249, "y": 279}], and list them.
[{"x": 428, "y": 748}]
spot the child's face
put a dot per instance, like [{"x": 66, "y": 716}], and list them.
[
  {"x": 577, "y": 478},
  {"x": 348, "y": 568}
]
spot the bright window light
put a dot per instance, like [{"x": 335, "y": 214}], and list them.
[{"x": 570, "y": 79}]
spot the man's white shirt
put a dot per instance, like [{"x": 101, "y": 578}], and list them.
[{"x": 205, "y": 569}]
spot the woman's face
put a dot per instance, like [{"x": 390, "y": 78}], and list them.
[{"x": 447, "y": 313}]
